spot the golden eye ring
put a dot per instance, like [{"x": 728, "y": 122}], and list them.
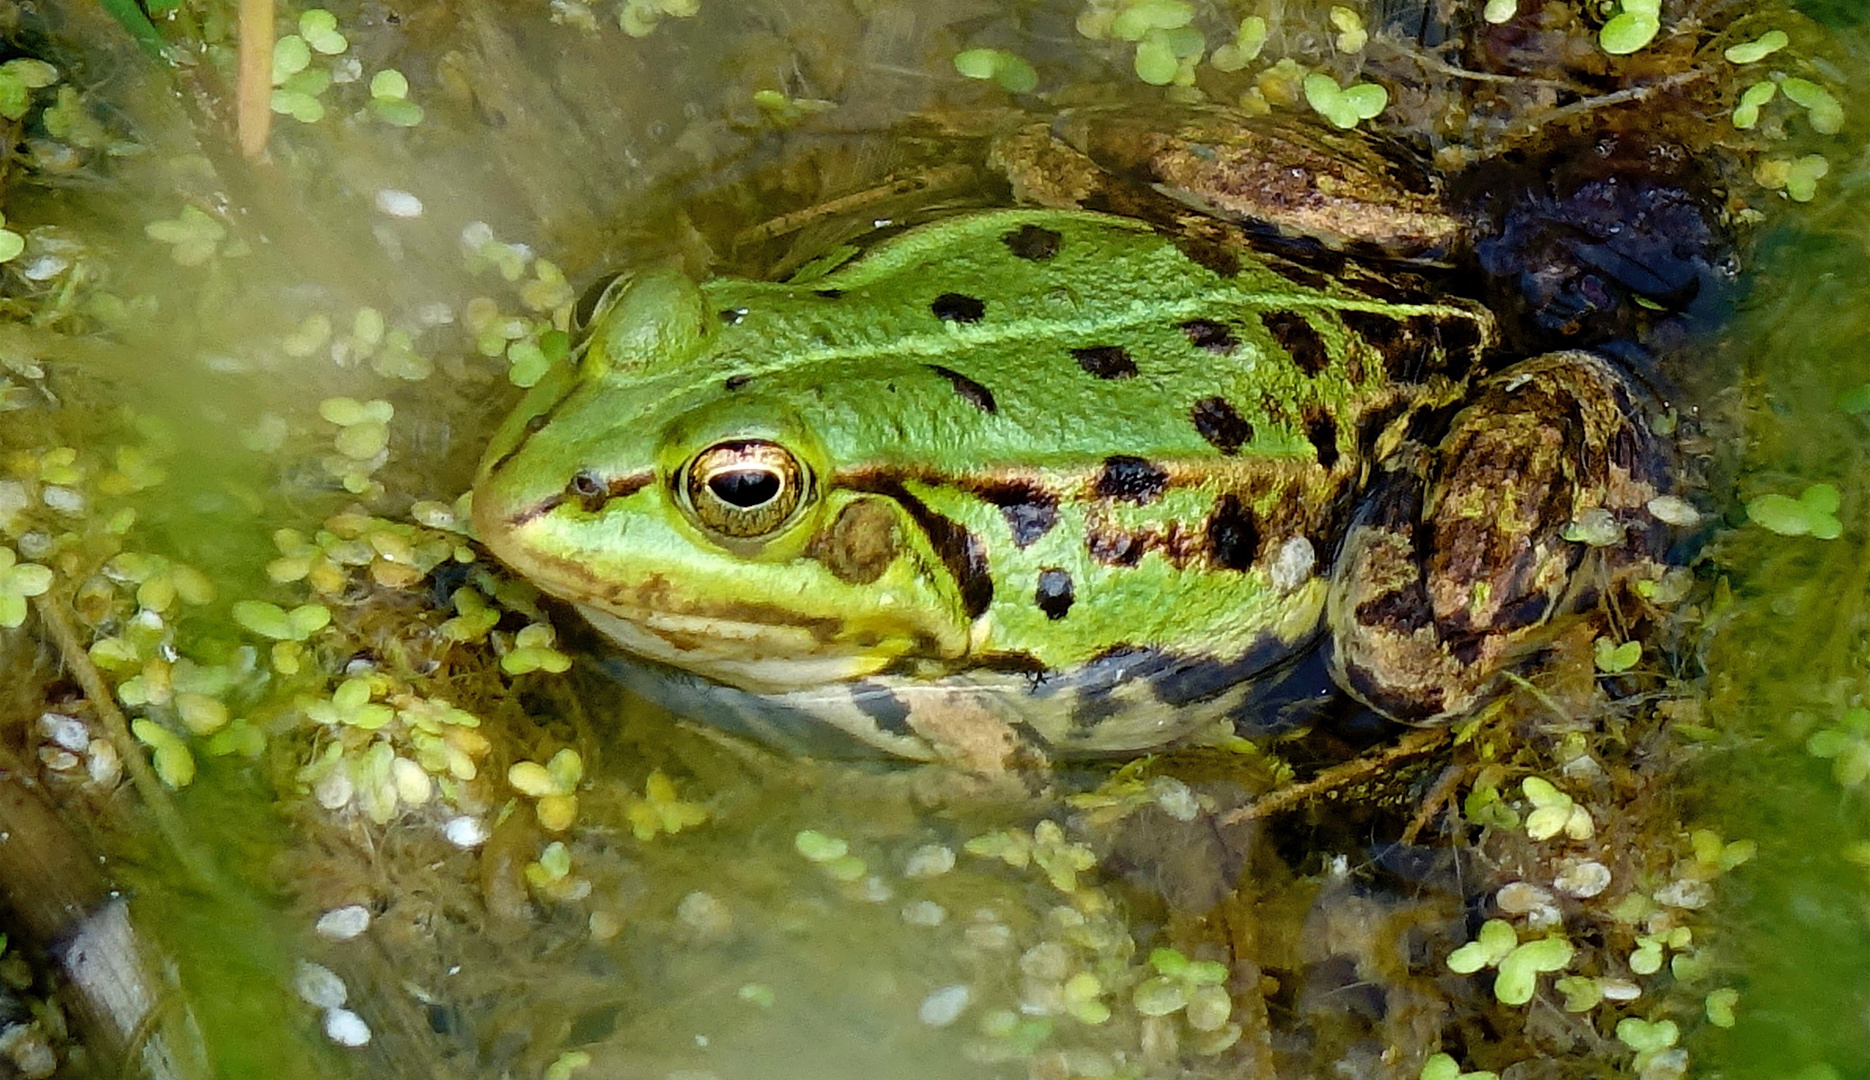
[{"x": 747, "y": 489}]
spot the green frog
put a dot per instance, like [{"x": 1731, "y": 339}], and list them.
[{"x": 1073, "y": 478}]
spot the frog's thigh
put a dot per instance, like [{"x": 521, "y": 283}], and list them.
[{"x": 1456, "y": 561}]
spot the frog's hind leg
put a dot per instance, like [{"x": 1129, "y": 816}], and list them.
[{"x": 1458, "y": 557}]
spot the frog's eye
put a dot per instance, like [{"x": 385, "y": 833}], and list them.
[
  {"x": 592, "y": 301},
  {"x": 744, "y": 490}
]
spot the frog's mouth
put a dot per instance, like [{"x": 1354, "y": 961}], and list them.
[{"x": 759, "y": 657}]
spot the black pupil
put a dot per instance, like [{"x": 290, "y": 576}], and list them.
[{"x": 745, "y": 488}]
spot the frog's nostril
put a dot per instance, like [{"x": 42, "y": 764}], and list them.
[{"x": 585, "y": 484}]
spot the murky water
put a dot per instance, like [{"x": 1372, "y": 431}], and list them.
[{"x": 707, "y": 909}]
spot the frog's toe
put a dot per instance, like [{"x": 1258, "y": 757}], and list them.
[{"x": 1535, "y": 500}]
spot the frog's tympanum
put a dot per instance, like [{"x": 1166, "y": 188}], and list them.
[{"x": 1063, "y": 479}]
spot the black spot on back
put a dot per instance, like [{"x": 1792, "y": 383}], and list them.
[
  {"x": 1322, "y": 430},
  {"x": 1131, "y": 479},
  {"x": 735, "y": 382},
  {"x": 829, "y": 294},
  {"x": 1030, "y": 510},
  {"x": 1115, "y": 547},
  {"x": 1233, "y": 535},
  {"x": 976, "y": 395},
  {"x": 1223, "y": 427},
  {"x": 1054, "y": 595},
  {"x": 954, "y": 307},
  {"x": 1032, "y": 242},
  {"x": 732, "y": 315},
  {"x": 1105, "y": 361},
  {"x": 1210, "y": 335},
  {"x": 1295, "y": 334}
]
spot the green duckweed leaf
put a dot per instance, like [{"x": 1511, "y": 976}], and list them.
[
  {"x": 1615, "y": 659},
  {"x": 1628, "y": 31},
  {"x": 1758, "y": 49},
  {"x": 1642, "y": 1035},
  {"x": 1747, "y": 112},
  {"x": 1821, "y": 108},
  {"x": 1495, "y": 941}
]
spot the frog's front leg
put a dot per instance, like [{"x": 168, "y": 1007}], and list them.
[{"x": 1457, "y": 559}]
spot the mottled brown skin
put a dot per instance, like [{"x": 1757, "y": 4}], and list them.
[
  {"x": 1216, "y": 166},
  {"x": 1455, "y": 565}
]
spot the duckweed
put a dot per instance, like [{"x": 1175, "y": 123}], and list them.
[
  {"x": 532, "y": 651},
  {"x": 169, "y": 755},
  {"x": 389, "y": 99},
  {"x": 1249, "y": 40},
  {"x": 18, "y": 79},
  {"x": 11, "y": 243},
  {"x": 1797, "y": 177},
  {"x": 1846, "y": 745},
  {"x": 319, "y": 29},
  {"x": 1614, "y": 659},
  {"x": 1752, "y": 99},
  {"x": 18, "y": 582},
  {"x": 1351, "y": 36},
  {"x": 272, "y": 621},
  {"x": 1444, "y": 1067},
  {"x": 818, "y": 847},
  {"x": 1554, "y": 812},
  {"x": 1009, "y": 70},
  {"x": 1750, "y": 52},
  {"x": 1635, "y": 25},
  {"x": 1812, "y": 513},
  {"x": 1344, "y": 106},
  {"x": 193, "y": 236},
  {"x": 567, "y": 1064},
  {"x": 639, "y": 18},
  {"x": 661, "y": 809},
  {"x": 1822, "y": 110},
  {"x": 554, "y": 785}
]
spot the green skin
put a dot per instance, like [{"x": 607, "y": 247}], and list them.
[{"x": 953, "y": 400}]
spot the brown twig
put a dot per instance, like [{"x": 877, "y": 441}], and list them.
[
  {"x": 253, "y": 88},
  {"x": 935, "y": 180},
  {"x": 1414, "y": 744},
  {"x": 155, "y": 796},
  {"x": 1438, "y": 795}
]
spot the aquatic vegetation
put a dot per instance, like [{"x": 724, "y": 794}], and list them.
[{"x": 1009, "y": 70}]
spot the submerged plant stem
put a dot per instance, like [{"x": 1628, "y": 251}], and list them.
[
  {"x": 253, "y": 99},
  {"x": 117, "y": 728},
  {"x": 1415, "y": 744}
]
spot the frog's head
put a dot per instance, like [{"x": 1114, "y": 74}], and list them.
[{"x": 701, "y": 524}]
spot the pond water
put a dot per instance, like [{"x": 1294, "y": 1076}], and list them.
[{"x": 381, "y": 836}]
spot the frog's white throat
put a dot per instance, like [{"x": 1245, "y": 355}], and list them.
[{"x": 758, "y": 657}]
